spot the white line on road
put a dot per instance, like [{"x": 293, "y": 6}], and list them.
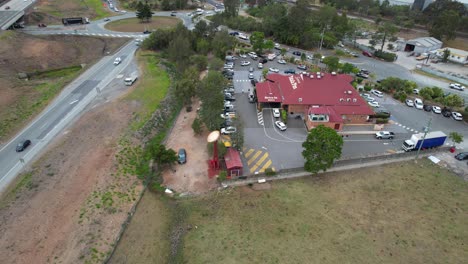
[{"x": 74, "y": 102}]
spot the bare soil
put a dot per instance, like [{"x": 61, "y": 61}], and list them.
[
  {"x": 135, "y": 25},
  {"x": 57, "y": 219},
  {"x": 22, "y": 53},
  {"x": 192, "y": 177}
]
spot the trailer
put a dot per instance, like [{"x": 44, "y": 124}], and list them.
[
  {"x": 75, "y": 20},
  {"x": 432, "y": 140},
  {"x": 131, "y": 78}
]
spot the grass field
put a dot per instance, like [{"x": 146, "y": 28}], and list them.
[
  {"x": 152, "y": 87},
  {"x": 400, "y": 213},
  {"x": 134, "y": 24}
]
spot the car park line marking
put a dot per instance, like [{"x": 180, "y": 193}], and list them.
[
  {"x": 249, "y": 152},
  {"x": 260, "y": 118},
  {"x": 259, "y": 162},
  {"x": 254, "y": 157}
]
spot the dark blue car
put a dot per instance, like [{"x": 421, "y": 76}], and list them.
[{"x": 182, "y": 155}]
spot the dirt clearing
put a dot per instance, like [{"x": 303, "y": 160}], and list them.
[{"x": 134, "y": 24}]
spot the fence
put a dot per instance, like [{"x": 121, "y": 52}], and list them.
[
  {"x": 459, "y": 78},
  {"x": 337, "y": 166}
]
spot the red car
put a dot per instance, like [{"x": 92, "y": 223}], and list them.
[{"x": 365, "y": 53}]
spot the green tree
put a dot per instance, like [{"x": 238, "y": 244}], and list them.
[
  {"x": 210, "y": 93},
  {"x": 348, "y": 68},
  {"x": 303, "y": 57},
  {"x": 453, "y": 100},
  {"x": 187, "y": 85},
  {"x": 446, "y": 55},
  {"x": 385, "y": 31},
  {"x": 199, "y": 61},
  {"x": 257, "y": 39},
  {"x": 221, "y": 43},
  {"x": 179, "y": 51},
  {"x": 216, "y": 64},
  {"x": 332, "y": 62},
  {"x": 231, "y": 7},
  {"x": 321, "y": 148},
  {"x": 161, "y": 155},
  {"x": 446, "y": 25},
  {"x": 197, "y": 126},
  {"x": 456, "y": 138}
]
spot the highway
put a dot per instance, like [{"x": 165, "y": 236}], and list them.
[{"x": 65, "y": 108}]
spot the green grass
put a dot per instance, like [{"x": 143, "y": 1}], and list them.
[
  {"x": 48, "y": 85},
  {"x": 152, "y": 88},
  {"x": 98, "y": 7},
  {"x": 24, "y": 181}
]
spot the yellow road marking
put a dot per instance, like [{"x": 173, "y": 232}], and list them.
[
  {"x": 248, "y": 153},
  {"x": 259, "y": 162},
  {"x": 267, "y": 164},
  {"x": 254, "y": 157}
]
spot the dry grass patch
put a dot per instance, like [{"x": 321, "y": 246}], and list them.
[{"x": 134, "y": 24}]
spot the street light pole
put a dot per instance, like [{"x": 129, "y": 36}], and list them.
[
  {"x": 321, "y": 40},
  {"x": 426, "y": 130}
]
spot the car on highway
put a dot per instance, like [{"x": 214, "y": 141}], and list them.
[
  {"x": 297, "y": 53},
  {"x": 117, "y": 61},
  {"x": 281, "y": 61},
  {"x": 377, "y": 93},
  {"x": 409, "y": 102},
  {"x": 457, "y": 86},
  {"x": 41, "y": 25},
  {"x": 457, "y": 116},
  {"x": 173, "y": 13},
  {"x": 245, "y": 63},
  {"x": 106, "y": 19},
  {"x": 276, "y": 112},
  {"x": 418, "y": 103},
  {"x": 462, "y": 156},
  {"x": 23, "y": 145},
  {"x": 374, "y": 104},
  {"x": 436, "y": 109},
  {"x": 384, "y": 135},
  {"x": 228, "y": 130},
  {"x": 290, "y": 71},
  {"x": 274, "y": 70},
  {"x": 280, "y": 125},
  {"x": 182, "y": 156}
]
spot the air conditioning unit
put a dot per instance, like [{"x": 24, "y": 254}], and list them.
[
  {"x": 341, "y": 99},
  {"x": 348, "y": 100},
  {"x": 300, "y": 100},
  {"x": 354, "y": 100},
  {"x": 334, "y": 73}
]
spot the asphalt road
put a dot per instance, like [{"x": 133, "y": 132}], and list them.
[{"x": 68, "y": 105}]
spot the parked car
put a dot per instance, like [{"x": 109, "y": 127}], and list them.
[
  {"x": 242, "y": 36},
  {"x": 416, "y": 91},
  {"x": 297, "y": 53},
  {"x": 228, "y": 115},
  {"x": 260, "y": 65},
  {"x": 365, "y": 71},
  {"x": 182, "y": 156},
  {"x": 383, "y": 112},
  {"x": 427, "y": 108},
  {"x": 243, "y": 56},
  {"x": 384, "y": 135},
  {"x": 251, "y": 76},
  {"x": 302, "y": 67},
  {"x": 106, "y": 19},
  {"x": 457, "y": 116},
  {"x": 234, "y": 33},
  {"x": 280, "y": 125},
  {"x": 446, "y": 112},
  {"x": 418, "y": 103},
  {"x": 362, "y": 75},
  {"x": 377, "y": 93},
  {"x": 252, "y": 55},
  {"x": 263, "y": 60},
  {"x": 251, "y": 69},
  {"x": 457, "y": 86},
  {"x": 365, "y": 53},
  {"x": 23, "y": 145},
  {"x": 276, "y": 112},
  {"x": 409, "y": 102},
  {"x": 228, "y": 130},
  {"x": 245, "y": 63},
  {"x": 369, "y": 99},
  {"x": 117, "y": 61},
  {"x": 436, "y": 109},
  {"x": 374, "y": 104},
  {"x": 41, "y": 25},
  {"x": 277, "y": 46},
  {"x": 290, "y": 71},
  {"x": 273, "y": 69},
  {"x": 462, "y": 156},
  {"x": 281, "y": 61},
  {"x": 365, "y": 95}
]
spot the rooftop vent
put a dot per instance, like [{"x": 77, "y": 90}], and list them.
[
  {"x": 348, "y": 99},
  {"x": 354, "y": 100},
  {"x": 318, "y": 73},
  {"x": 349, "y": 92},
  {"x": 318, "y": 76},
  {"x": 311, "y": 76},
  {"x": 300, "y": 99},
  {"x": 341, "y": 99}
]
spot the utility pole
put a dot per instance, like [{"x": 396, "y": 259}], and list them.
[
  {"x": 321, "y": 40},
  {"x": 426, "y": 130}
]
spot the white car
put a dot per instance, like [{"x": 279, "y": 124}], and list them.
[
  {"x": 436, "y": 109},
  {"x": 228, "y": 115},
  {"x": 117, "y": 61},
  {"x": 457, "y": 116},
  {"x": 409, "y": 102},
  {"x": 273, "y": 69},
  {"x": 245, "y": 63},
  {"x": 277, "y": 46},
  {"x": 281, "y": 61},
  {"x": 374, "y": 104},
  {"x": 252, "y": 55},
  {"x": 280, "y": 125},
  {"x": 309, "y": 57},
  {"x": 377, "y": 93},
  {"x": 416, "y": 91},
  {"x": 242, "y": 36},
  {"x": 243, "y": 56},
  {"x": 260, "y": 65},
  {"x": 276, "y": 112},
  {"x": 418, "y": 103},
  {"x": 251, "y": 76},
  {"x": 228, "y": 130},
  {"x": 457, "y": 86},
  {"x": 369, "y": 99}
]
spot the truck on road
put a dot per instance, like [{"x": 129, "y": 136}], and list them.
[
  {"x": 131, "y": 78},
  {"x": 432, "y": 140},
  {"x": 75, "y": 20}
]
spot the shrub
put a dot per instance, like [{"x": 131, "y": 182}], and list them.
[
  {"x": 381, "y": 120},
  {"x": 367, "y": 87},
  {"x": 387, "y": 56},
  {"x": 269, "y": 172},
  {"x": 197, "y": 126},
  {"x": 222, "y": 175},
  {"x": 284, "y": 116},
  {"x": 340, "y": 53}
]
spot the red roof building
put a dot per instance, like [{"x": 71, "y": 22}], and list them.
[
  {"x": 327, "y": 99},
  {"x": 233, "y": 163}
]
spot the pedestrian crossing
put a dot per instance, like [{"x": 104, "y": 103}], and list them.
[
  {"x": 407, "y": 128},
  {"x": 257, "y": 160},
  {"x": 242, "y": 80},
  {"x": 98, "y": 35},
  {"x": 260, "y": 118}
]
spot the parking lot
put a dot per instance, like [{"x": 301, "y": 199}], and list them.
[{"x": 265, "y": 146}]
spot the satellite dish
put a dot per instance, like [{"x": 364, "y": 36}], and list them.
[{"x": 213, "y": 136}]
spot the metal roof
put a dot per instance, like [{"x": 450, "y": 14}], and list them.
[{"x": 425, "y": 42}]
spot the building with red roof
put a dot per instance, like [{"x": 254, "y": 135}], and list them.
[
  {"x": 233, "y": 163},
  {"x": 321, "y": 99}
]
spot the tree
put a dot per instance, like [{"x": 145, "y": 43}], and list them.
[
  {"x": 200, "y": 61},
  {"x": 161, "y": 155},
  {"x": 446, "y": 55},
  {"x": 186, "y": 86},
  {"x": 144, "y": 12},
  {"x": 385, "y": 31},
  {"x": 210, "y": 93},
  {"x": 321, "y": 148},
  {"x": 257, "y": 39},
  {"x": 231, "y": 7},
  {"x": 179, "y": 51},
  {"x": 216, "y": 64},
  {"x": 197, "y": 126},
  {"x": 453, "y": 100},
  {"x": 349, "y": 68},
  {"x": 221, "y": 43},
  {"x": 446, "y": 25},
  {"x": 456, "y": 137},
  {"x": 333, "y": 63}
]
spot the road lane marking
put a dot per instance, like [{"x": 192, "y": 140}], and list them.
[
  {"x": 249, "y": 153},
  {"x": 254, "y": 157},
  {"x": 74, "y": 101},
  {"x": 259, "y": 162}
]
